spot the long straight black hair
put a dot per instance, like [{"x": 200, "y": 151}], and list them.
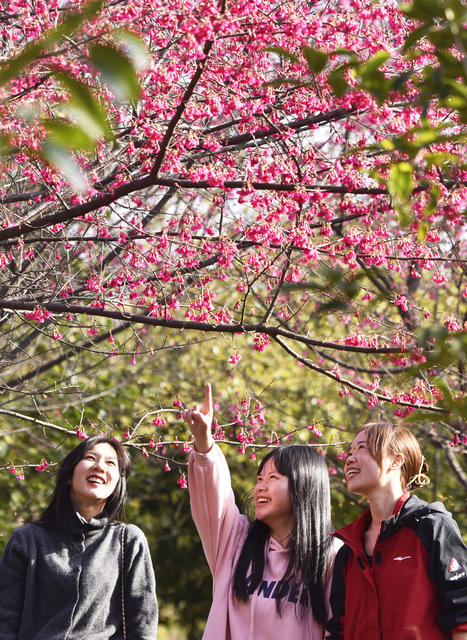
[
  {"x": 58, "y": 511},
  {"x": 311, "y": 543}
]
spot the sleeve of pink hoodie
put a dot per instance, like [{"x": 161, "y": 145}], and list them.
[{"x": 217, "y": 518}]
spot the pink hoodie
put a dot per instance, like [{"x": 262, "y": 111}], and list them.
[{"x": 223, "y": 530}]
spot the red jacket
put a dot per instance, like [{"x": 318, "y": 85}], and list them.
[{"x": 415, "y": 585}]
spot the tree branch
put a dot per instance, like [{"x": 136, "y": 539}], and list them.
[{"x": 64, "y": 307}]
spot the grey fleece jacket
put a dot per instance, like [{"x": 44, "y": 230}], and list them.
[{"x": 57, "y": 588}]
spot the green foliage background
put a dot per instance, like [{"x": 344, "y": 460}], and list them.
[{"x": 123, "y": 393}]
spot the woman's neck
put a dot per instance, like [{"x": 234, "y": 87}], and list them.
[
  {"x": 382, "y": 503},
  {"x": 282, "y": 537},
  {"x": 88, "y": 511}
]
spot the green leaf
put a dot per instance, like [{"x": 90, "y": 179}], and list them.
[
  {"x": 398, "y": 83},
  {"x": 116, "y": 70},
  {"x": 450, "y": 63},
  {"x": 374, "y": 63},
  {"x": 84, "y": 108},
  {"x": 68, "y": 136},
  {"x": 5, "y": 146},
  {"x": 61, "y": 158},
  {"x": 401, "y": 181},
  {"x": 331, "y": 307},
  {"x": 337, "y": 82},
  {"x": 425, "y": 137},
  {"x": 425, "y": 10},
  {"x": 458, "y": 87},
  {"x": 388, "y": 144},
  {"x": 435, "y": 192},
  {"x": 134, "y": 48},
  {"x": 375, "y": 83},
  {"x": 354, "y": 60},
  {"x": 441, "y": 38},
  {"x": 458, "y": 10},
  {"x": 439, "y": 158},
  {"x": 404, "y": 215},
  {"x": 316, "y": 60},
  {"x": 422, "y": 230},
  {"x": 402, "y": 144}
]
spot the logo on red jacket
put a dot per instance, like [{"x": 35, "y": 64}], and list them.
[{"x": 454, "y": 565}]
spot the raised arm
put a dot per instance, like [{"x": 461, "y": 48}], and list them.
[
  {"x": 199, "y": 420},
  {"x": 213, "y": 507}
]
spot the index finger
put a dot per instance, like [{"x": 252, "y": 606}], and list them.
[{"x": 208, "y": 397}]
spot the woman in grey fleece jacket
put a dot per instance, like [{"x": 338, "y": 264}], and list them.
[{"x": 61, "y": 576}]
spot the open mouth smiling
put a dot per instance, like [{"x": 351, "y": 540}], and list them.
[{"x": 95, "y": 480}]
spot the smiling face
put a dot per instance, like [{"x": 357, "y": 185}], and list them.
[
  {"x": 94, "y": 479},
  {"x": 362, "y": 473},
  {"x": 272, "y": 500}
]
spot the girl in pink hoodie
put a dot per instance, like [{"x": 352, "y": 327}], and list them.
[{"x": 271, "y": 575}]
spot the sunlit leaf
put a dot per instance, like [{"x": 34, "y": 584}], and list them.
[
  {"x": 85, "y": 109},
  {"x": 134, "y": 48},
  {"x": 116, "y": 71},
  {"x": 5, "y": 146},
  {"x": 374, "y": 63},
  {"x": 423, "y": 228},
  {"x": 61, "y": 158},
  {"x": 425, "y": 137},
  {"x": 401, "y": 181},
  {"x": 68, "y": 136}
]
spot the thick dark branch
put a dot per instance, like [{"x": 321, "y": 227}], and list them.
[
  {"x": 304, "y": 123},
  {"x": 22, "y": 197},
  {"x": 65, "y": 215},
  {"x": 64, "y": 307},
  {"x": 180, "y": 109}
]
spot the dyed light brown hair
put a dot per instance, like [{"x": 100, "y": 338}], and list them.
[{"x": 387, "y": 440}]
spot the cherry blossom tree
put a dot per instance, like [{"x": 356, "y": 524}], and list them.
[{"x": 251, "y": 193}]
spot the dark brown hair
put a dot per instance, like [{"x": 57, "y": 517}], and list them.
[{"x": 58, "y": 508}]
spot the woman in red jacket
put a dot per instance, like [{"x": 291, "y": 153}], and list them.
[{"x": 401, "y": 574}]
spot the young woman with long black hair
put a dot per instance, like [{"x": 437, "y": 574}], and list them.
[
  {"x": 401, "y": 574},
  {"x": 269, "y": 576},
  {"x": 79, "y": 573}
]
